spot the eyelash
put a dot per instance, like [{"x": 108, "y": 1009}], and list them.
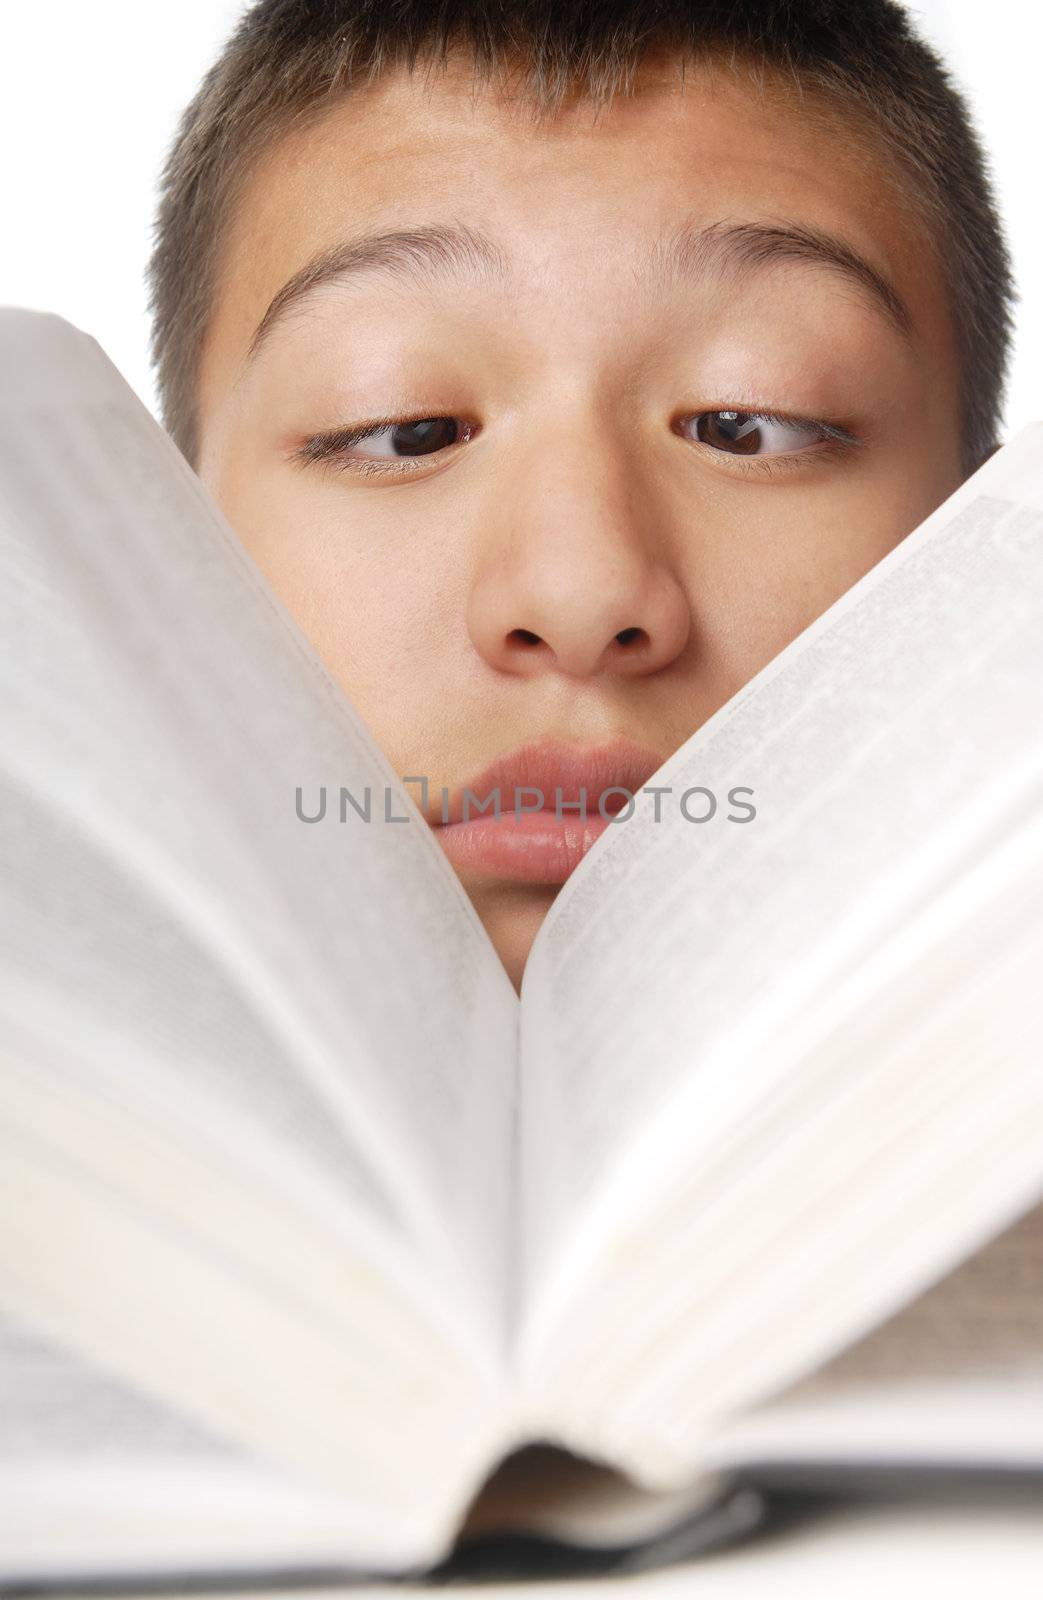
[
  {"x": 834, "y": 441},
  {"x": 330, "y": 449}
]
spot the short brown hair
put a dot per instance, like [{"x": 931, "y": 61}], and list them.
[{"x": 287, "y": 60}]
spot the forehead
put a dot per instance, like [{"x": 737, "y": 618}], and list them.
[{"x": 570, "y": 196}]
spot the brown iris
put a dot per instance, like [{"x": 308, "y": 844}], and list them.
[
  {"x": 424, "y": 437},
  {"x": 734, "y": 431}
]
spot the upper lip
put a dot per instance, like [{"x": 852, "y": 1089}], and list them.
[{"x": 552, "y": 765}]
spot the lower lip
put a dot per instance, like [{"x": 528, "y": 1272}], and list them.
[{"x": 535, "y": 847}]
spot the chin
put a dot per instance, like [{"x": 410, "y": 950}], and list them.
[{"x": 512, "y": 915}]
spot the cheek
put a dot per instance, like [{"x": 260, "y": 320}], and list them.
[
  {"x": 786, "y": 554},
  {"x": 377, "y": 619}
]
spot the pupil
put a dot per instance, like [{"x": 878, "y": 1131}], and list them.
[{"x": 423, "y": 437}]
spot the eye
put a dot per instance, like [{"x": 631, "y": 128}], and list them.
[
  {"x": 420, "y": 438},
  {"x": 388, "y": 443},
  {"x": 753, "y": 433}
]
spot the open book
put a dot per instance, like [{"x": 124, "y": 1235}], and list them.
[{"x": 307, "y": 1221}]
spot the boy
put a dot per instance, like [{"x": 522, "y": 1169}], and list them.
[{"x": 559, "y": 364}]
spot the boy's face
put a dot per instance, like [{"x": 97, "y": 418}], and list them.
[{"x": 586, "y": 546}]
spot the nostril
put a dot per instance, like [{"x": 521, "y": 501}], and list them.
[
  {"x": 524, "y": 636},
  {"x": 631, "y": 635}
]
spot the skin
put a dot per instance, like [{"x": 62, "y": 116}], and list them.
[{"x": 584, "y": 502}]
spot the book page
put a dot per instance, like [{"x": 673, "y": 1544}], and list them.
[
  {"x": 97, "y": 1476},
  {"x": 303, "y": 1025},
  {"x": 901, "y": 1135},
  {"x": 956, "y": 1377},
  {"x": 162, "y": 708},
  {"x": 241, "y": 1308},
  {"x": 886, "y": 752}
]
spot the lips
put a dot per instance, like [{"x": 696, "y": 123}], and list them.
[
  {"x": 550, "y": 765},
  {"x": 540, "y": 834}
]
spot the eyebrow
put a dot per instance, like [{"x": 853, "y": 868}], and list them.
[
  {"x": 410, "y": 255},
  {"x": 443, "y": 251},
  {"x": 744, "y": 246}
]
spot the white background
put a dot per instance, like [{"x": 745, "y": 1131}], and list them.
[{"x": 91, "y": 90}]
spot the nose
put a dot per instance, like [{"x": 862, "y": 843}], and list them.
[{"x": 574, "y": 574}]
